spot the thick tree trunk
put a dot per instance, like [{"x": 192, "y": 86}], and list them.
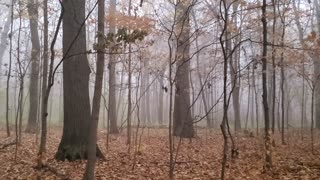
[
  {"x": 74, "y": 142},
  {"x": 35, "y": 59},
  {"x": 183, "y": 124},
  {"x": 112, "y": 113}
]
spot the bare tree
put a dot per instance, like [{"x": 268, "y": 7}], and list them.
[{"x": 90, "y": 166}]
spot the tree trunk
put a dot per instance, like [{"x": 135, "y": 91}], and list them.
[
  {"x": 182, "y": 123},
  {"x": 282, "y": 80},
  {"x": 3, "y": 46},
  {"x": 4, "y": 34},
  {"x": 112, "y": 113},
  {"x": 161, "y": 93},
  {"x": 129, "y": 92},
  {"x": 268, "y": 153},
  {"x": 45, "y": 90},
  {"x": 74, "y": 142},
  {"x": 235, "y": 78},
  {"x": 90, "y": 166},
  {"x": 273, "y": 94},
  {"x": 35, "y": 59},
  {"x": 316, "y": 64},
  {"x": 147, "y": 92},
  {"x": 257, "y": 102},
  {"x": 143, "y": 95},
  {"x": 202, "y": 85}
]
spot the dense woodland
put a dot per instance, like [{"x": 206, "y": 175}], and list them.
[{"x": 167, "y": 89}]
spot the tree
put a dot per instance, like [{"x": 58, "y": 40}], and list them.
[
  {"x": 2, "y": 46},
  {"x": 48, "y": 78},
  {"x": 90, "y": 166},
  {"x": 35, "y": 59},
  {"x": 76, "y": 122},
  {"x": 112, "y": 112},
  {"x": 316, "y": 64},
  {"x": 234, "y": 67},
  {"x": 182, "y": 122},
  {"x": 268, "y": 153}
]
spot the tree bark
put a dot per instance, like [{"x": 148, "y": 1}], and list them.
[
  {"x": 182, "y": 123},
  {"x": 74, "y": 142},
  {"x": 268, "y": 153},
  {"x": 45, "y": 90},
  {"x": 35, "y": 59}
]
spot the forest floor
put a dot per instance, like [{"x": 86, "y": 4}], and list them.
[{"x": 200, "y": 159}]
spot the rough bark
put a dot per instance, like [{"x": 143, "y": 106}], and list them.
[
  {"x": 74, "y": 142},
  {"x": 112, "y": 112},
  {"x": 35, "y": 59},
  {"x": 182, "y": 123}
]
